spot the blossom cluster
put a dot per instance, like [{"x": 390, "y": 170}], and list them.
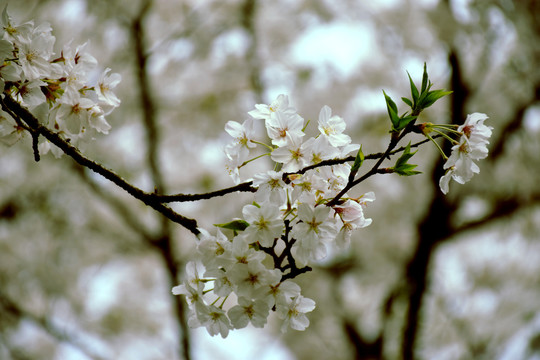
[
  {"x": 55, "y": 88},
  {"x": 287, "y": 228},
  {"x": 471, "y": 146}
]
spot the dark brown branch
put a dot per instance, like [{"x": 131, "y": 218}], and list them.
[
  {"x": 374, "y": 156},
  {"x": 294, "y": 270},
  {"x": 9, "y": 104},
  {"x": 247, "y": 186},
  {"x": 243, "y": 187}
]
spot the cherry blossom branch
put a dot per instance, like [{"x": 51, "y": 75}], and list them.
[
  {"x": 10, "y": 105},
  {"x": 243, "y": 187},
  {"x": 248, "y": 185},
  {"x": 394, "y": 140},
  {"x": 294, "y": 270}
]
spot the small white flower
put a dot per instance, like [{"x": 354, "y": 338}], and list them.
[
  {"x": 281, "y": 104},
  {"x": 247, "y": 278},
  {"x": 104, "y": 88},
  {"x": 73, "y": 113},
  {"x": 471, "y": 146},
  {"x": 336, "y": 177},
  {"x": 270, "y": 187},
  {"x": 319, "y": 149},
  {"x": 193, "y": 285},
  {"x": 222, "y": 284},
  {"x": 474, "y": 129},
  {"x": 313, "y": 229},
  {"x": 254, "y": 311},
  {"x": 332, "y": 127},
  {"x": 294, "y": 314},
  {"x": 10, "y": 132},
  {"x": 278, "y": 291},
  {"x": 293, "y": 156},
  {"x": 313, "y": 222},
  {"x": 214, "y": 319},
  {"x": 240, "y": 253},
  {"x": 97, "y": 120},
  {"x": 212, "y": 248},
  {"x": 77, "y": 64},
  {"x": 308, "y": 187},
  {"x": 265, "y": 224},
  {"x": 193, "y": 269},
  {"x": 34, "y": 55},
  {"x": 283, "y": 128},
  {"x": 30, "y": 93},
  {"x": 352, "y": 215},
  {"x": 16, "y": 33},
  {"x": 193, "y": 294},
  {"x": 242, "y": 134}
]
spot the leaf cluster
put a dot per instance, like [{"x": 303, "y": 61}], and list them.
[
  {"x": 402, "y": 167},
  {"x": 419, "y": 101}
]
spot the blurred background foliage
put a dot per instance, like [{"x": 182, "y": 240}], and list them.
[{"x": 86, "y": 271}]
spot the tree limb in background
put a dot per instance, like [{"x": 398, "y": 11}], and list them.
[
  {"x": 165, "y": 241},
  {"x": 9, "y": 307}
]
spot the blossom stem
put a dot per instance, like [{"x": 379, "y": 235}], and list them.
[
  {"x": 215, "y": 301},
  {"x": 438, "y": 146},
  {"x": 250, "y": 160},
  {"x": 262, "y": 144},
  {"x": 447, "y": 127},
  {"x": 223, "y": 302},
  {"x": 453, "y": 141},
  {"x": 305, "y": 127}
]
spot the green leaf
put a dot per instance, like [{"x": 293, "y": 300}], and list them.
[
  {"x": 236, "y": 225},
  {"x": 390, "y": 102},
  {"x": 358, "y": 161},
  {"x": 407, "y": 101},
  {"x": 404, "y": 121},
  {"x": 433, "y": 96},
  {"x": 407, "y": 170},
  {"x": 414, "y": 90},
  {"x": 405, "y": 156},
  {"x": 425, "y": 80},
  {"x": 392, "y": 111},
  {"x": 402, "y": 167}
]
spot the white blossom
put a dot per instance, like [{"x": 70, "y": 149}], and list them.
[
  {"x": 294, "y": 313},
  {"x": 471, "y": 146},
  {"x": 283, "y": 128},
  {"x": 281, "y": 104},
  {"x": 104, "y": 88},
  {"x": 332, "y": 127},
  {"x": 293, "y": 155},
  {"x": 247, "y": 278},
  {"x": 249, "y": 311},
  {"x": 270, "y": 187},
  {"x": 265, "y": 224},
  {"x": 214, "y": 319}
]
